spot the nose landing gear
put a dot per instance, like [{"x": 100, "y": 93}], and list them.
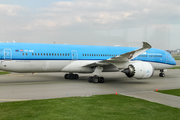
[{"x": 161, "y": 74}]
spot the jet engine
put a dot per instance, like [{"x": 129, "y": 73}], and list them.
[{"x": 139, "y": 70}]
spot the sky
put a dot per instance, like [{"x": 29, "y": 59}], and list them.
[{"x": 92, "y": 22}]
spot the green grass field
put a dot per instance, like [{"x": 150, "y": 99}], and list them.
[
  {"x": 176, "y": 67},
  {"x": 176, "y": 57},
  {"x": 4, "y": 72},
  {"x": 171, "y": 92},
  {"x": 99, "y": 107}
]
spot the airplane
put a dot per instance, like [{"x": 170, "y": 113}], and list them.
[{"x": 138, "y": 63}]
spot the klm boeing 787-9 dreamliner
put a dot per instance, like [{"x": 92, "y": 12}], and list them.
[{"x": 134, "y": 62}]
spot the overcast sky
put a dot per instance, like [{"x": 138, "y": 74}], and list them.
[{"x": 92, "y": 22}]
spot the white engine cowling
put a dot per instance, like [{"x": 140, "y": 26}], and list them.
[{"x": 139, "y": 70}]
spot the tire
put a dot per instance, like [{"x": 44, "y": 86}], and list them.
[
  {"x": 95, "y": 80},
  {"x": 76, "y": 76},
  {"x": 66, "y": 76},
  {"x": 161, "y": 75},
  {"x": 101, "y": 80},
  {"x": 71, "y": 76}
]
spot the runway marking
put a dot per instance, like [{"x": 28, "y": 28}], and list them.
[
  {"x": 27, "y": 83},
  {"x": 15, "y": 75},
  {"x": 14, "y": 99},
  {"x": 19, "y": 75},
  {"x": 31, "y": 83}
]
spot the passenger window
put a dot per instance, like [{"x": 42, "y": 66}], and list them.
[
  {"x": 38, "y": 54},
  {"x": 55, "y": 54},
  {"x": 65, "y": 54},
  {"x": 44, "y": 54},
  {"x": 49, "y": 54},
  {"x": 52, "y": 54},
  {"x": 26, "y": 54},
  {"x": 35, "y": 53},
  {"x": 68, "y": 54},
  {"x": 41, "y": 54},
  {"x": 22, "y": 53},
  {"x": 32, "y": 53},
  {"x": 58, "y": 54}
]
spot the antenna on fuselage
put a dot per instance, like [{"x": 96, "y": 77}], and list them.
[
  {"x": 7, "y": 42},
  {"x": 14, "y": 41}
]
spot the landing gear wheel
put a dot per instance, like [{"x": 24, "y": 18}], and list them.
[
  {"x": 101, "y": 80},
  {"x": 161, "y": 75},
  {"x": 76, "y": 76},
  {"x": 95, "y": 80},
  {"x": 66, "y": 76},
  {"x": 71, "y": 76}
]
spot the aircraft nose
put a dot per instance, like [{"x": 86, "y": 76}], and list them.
[{"x": 173, "y": 61}]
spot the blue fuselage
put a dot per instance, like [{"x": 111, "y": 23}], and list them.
[{"x": 31, "y": 51}]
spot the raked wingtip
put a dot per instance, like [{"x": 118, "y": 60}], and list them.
[{"x": 146, "y": 45}]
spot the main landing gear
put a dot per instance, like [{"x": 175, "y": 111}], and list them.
[
  {"x": 71, "y": 76},
  {"x": 96, "y": 79},
  {"x": 162, "y": 73}
]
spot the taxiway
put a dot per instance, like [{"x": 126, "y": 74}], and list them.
[{"x": 19, "y": 86}]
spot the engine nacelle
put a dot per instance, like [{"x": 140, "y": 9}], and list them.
[{"x": 139, "y": 70}]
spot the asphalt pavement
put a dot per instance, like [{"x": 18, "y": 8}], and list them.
[{"x": 19, "y": 87}]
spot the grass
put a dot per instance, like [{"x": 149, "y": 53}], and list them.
[
  {"x": 4, "y": 72},
  {"x": 171, "y": 92},
  {"x": 100, "y": 107},
  {"x": 176, "y": 67},
  {"x": 176, "y": 57}
]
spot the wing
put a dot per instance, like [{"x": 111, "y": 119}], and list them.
[{"x": 122, "y": 60}]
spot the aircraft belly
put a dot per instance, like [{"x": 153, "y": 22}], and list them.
[
  {"x": 78, "y": 66},
  {"x": 33, "y": 66},
  {"x": 159, "y": 66}
]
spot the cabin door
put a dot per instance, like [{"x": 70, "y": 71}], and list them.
[
  {"x": 1, "y": 54},
  {"x": 167, "y": 58},
  {"x": 74, "y": 55},
  {"x": 7, "y": 54}
]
